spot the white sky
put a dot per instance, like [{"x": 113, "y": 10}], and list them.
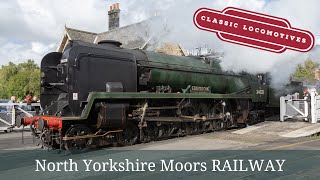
[{"x": 32, "y": 28}]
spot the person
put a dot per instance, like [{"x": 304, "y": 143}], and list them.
[
  {"x": 28, "y": 99},
  {"x": 12, "y": 100},
  {"x": 35, "y": 108},
  {"x": 34, "y": 99}
]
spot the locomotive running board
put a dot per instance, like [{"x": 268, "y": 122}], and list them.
[
  {"x": 139, "y": 95},
  {"x": 178, "y": 119},
  {"x": 90, "y": 135}
]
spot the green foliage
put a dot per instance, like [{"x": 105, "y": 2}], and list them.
[
  {"x": 306, "y": 70},
  {"x": 19, "y": 79}
]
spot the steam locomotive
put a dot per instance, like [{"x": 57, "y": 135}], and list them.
[{"x": 95, "y": 94}]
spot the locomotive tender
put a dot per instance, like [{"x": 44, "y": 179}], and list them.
[{"x": 102, "y": 93}]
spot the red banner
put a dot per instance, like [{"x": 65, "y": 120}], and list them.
[{"x": 253, "y": 29}]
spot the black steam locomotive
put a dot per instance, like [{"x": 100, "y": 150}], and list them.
[{"x": 102, "y": 93}]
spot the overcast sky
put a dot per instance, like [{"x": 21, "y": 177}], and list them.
[{"x": 32, "y": 28}]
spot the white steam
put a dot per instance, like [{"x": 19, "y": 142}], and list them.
[{"x": 176, "y": 25}]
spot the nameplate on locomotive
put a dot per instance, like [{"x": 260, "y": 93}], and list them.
[{"x": 200, "y": 89}]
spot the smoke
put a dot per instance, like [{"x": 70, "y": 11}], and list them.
[{"x": 174, "y": 24}]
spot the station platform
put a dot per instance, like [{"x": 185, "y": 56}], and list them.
[{"x": 289, "y": 129}]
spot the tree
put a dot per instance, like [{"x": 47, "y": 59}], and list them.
[
  {"x": 306, "y": 70},
  {"x": 18, "y": 79}
]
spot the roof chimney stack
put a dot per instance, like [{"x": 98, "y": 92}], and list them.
[{"x": 114, "y": 16}]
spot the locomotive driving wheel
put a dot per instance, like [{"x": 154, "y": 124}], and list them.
[
  {"x": 130, "y": 135},
  {"x": 151, "y": 132},
  {"x": 78, "y": 143},
  {"x": 45, "y": 138},
  {"x": 226, "y": 118}
]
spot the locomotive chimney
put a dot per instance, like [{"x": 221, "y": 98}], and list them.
[{"x": 114, "y": 16}]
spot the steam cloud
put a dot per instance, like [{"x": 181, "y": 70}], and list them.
[{"x": 175, "y": 25}]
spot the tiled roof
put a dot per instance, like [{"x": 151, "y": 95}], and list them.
[
  {"x": 131, "y": 36},
  {"x": 138, "y": 35},
  {"x": 76, "y": 34},
  {"x": 171, "y": 49}
]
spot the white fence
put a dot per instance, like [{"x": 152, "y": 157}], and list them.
[
  {"x": 308, "y": 108},
  {"x": 8, "y": 114},
  {"x": 316, "y": 109}
]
